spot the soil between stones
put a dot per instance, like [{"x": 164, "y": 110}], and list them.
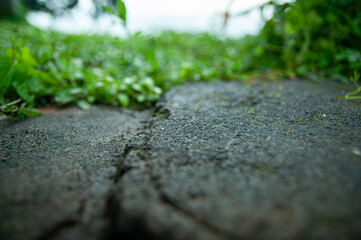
[{"x": 220, "y": 160}]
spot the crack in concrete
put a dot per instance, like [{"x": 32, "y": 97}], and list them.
[
  {"x": 121, "y": 226},
  {"x": 213, "y": 230},
  {"x": 112, "y": 208},
  {"x": 121, "y": 168},
  {"x": 205, "y": 225},
  {"x": 111, "y": 214},
  {"x": 66, "y": 223},
  {"x": 58, "y": 228}
]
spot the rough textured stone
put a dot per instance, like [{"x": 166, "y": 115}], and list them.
[
  {"x": 56, "y": 172},
  {"x": 277, "y": 160},
  {"x": 290, "y": 170}
]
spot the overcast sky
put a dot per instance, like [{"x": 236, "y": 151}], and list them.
[{"x": 151, "y": 16}]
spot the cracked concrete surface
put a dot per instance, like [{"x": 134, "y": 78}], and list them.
[
  {"x": 56, "y": 172},
  {"x": 202, "y": 167}
]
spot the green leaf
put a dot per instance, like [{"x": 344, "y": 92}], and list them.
[
  {"x": 353, "y": 95},
  {"x": 122, "y": 11},
  {"x": 55, "y": 73},
  {"x": 355, "y": 78},
  {"x": 83, "y": 105},
  {"x": 34, "y": 84},
  {"x": 123, "y": 99},
  {"x": 30, "y": 112},
  {"x": 148, "y": 83},
  {"x": 27, "y": 58},
  {"x": 90, "y": 99},
  {"x": 64, "y": 97},
  {"x": 6, "y": 81},
  {"x": 251, "y": 111},
  {"x": 22, "y": 88},
  {"x": 141, "y": 98},
  {"x": 109, "y": 9},
  {"x": 76, "y": 68},
  {"x": 6, "y": 73},
  {"x": 10, "y": 105}
]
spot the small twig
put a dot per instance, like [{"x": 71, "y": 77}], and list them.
[{"x": 10, "y": 104}]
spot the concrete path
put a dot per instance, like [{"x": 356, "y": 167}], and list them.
[
  {"x": 56, "y": 172},
  {"x": 216, "y": 161}
]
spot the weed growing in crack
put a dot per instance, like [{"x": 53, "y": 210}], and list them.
[{"x": 353, "y": 95}]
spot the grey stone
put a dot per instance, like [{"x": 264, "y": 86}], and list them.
[
  {"x": 290, "y": 170},
  {"x": 226, "y": 160},
  {"x": 56, "y": 172}
]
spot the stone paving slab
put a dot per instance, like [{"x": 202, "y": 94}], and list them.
[
  {"x": 56, "y": 171},
  {"x": 269, "y": 161},
  {"x": 226, "y": 160}
]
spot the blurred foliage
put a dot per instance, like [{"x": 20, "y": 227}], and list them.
[
  {"x": 310, "y": 38},
  {"x": 56, "y": 7},
  {"x": 19, "y": 8},
  {"x": 46, "y": 67},
  {"x": 50, "y": 6},
  {"x": 119, "y": 11},
  {"x": 313, "y": 39}
]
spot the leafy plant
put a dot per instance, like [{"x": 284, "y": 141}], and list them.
[
  {"x": 309, "y": 38},
  {"x": 20, "y": 112},
  {"x": 81, "y": 69},
  {"x": 314, "y": 39},
  {"x": 251, "y": 111},
  {"x": 120, "y": 11},
  {"x": 353, "y": 95}
]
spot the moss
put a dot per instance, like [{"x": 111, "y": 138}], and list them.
[
  {"x": 197, "y": 100},
  {"x": 328, "y": 219},
  {"x": 300, "y": 120},
  {"x": 162, "y": 113},
  {"x": 266, "y": 168},
  {"x": 339, "y": 120},
  {"x": 220, "y": 96}
]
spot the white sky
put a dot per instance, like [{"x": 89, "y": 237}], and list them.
[{"x": 150, "y": 16}]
